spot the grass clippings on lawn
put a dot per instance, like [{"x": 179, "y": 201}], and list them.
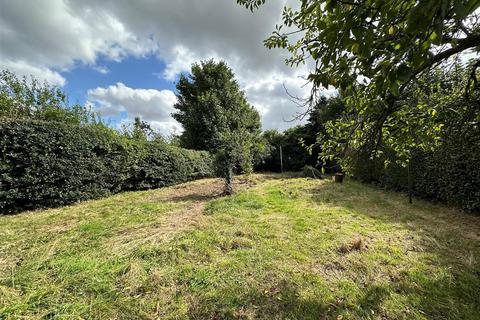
[{"x": 280, "y": 248}]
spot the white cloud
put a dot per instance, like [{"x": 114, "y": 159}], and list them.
[
  {"x": 276, "y": 100},
  {"x": 177, "y": 32},
  {"x": 183, "y": 60},
  {"x": 101, "y": 69},
  {"x": 151, "y": 105},
  {"x": 51, "y": 34},
  {"x": 22, "y": 68}
]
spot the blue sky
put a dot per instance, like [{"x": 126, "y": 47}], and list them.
[
  {"x": 134, "y": 72},
  {"x": 122, "y": 57}
]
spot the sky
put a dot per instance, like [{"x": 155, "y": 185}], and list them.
[{"x": 123, "y": 57}]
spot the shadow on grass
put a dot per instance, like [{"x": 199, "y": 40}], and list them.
[
  {"x": 195, "y": 197},
  {"x": 280, "y": 302},
  {"x": 287, "y": 300},
  {"x": 444, "y": 281}
]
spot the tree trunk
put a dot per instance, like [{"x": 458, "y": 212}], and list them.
[
  {"x": 228, "y": 181},
  {"x": 281, "y": 160},
  {"x": 410, "y": 184}
]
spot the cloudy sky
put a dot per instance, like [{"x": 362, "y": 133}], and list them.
[{"x": 123, "y": 57}]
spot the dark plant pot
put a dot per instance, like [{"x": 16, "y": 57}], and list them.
[{"x": 338, "y": 177}]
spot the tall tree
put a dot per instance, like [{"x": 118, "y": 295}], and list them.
[
  {"x": 371, "y": 50},
  {"x": 210, "y": 102},
  {"x": 216, "y": 116}
]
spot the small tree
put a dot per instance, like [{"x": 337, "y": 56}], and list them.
[
  {"x": 234, "y": 152},
  {"x": 141, "y": 129},
  {"x": 27, "y": 98},
  {"x": 216, "y": 117}
]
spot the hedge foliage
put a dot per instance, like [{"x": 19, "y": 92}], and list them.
[
  {"x": 49, "y": 164},
  {"x": 449, "y": 174}
]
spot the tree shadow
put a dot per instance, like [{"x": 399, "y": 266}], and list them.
[
  {"x": 279, "y": 301},
  {"x": 284, "y": 299},
  {"x": 445, "y": 239},
  {"x": 195, "y": 197},
  {"x": 215, "y": 189}
]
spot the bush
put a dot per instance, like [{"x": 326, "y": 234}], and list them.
[
  {"x": 49, "y": 164},
  {"x": 452, "y": 173}
]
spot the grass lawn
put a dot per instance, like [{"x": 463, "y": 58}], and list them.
[{"x": 280, "y": 248}]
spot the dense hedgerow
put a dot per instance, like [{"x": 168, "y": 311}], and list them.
[
  {"x": 49, "y": 164},
  {"x": 449, "y": 174}
]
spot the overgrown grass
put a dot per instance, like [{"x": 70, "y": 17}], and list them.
[{"x": 287, "y": 248}]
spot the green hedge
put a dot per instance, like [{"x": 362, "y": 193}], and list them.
[
  {"x": 450, "y": 174},
  {"x": 49, "y": 164}
]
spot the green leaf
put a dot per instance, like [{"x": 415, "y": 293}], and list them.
[
  {"x": 310, "y": 8},
  {"x": 460, "y": 11},
  {"x": 434, "y": 38},
  {"x": 403, "y": 72},
  {"x": 394, "y": 88},
  {"x": 355, "y": 47}
]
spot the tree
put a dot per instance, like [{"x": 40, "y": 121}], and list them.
[
  {"x": 141, "y": 129},
  {"x": 27, "y": 98},
  {"x": 216, "y": 117},
  {"x": 267, "y": 158},
  {"x": 423, "y": 113},
  {"x": 326, "y": 110},
  {"x": 234, "y": 151},
  {"x": 210, "y": 102},
  {"x": 371, "y": 51}
]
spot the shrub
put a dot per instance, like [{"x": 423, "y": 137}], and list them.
[{"x": 49, "y": 164}]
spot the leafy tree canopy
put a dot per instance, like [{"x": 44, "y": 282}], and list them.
[
  {"x": 372, "y": 50},
  {"x": 429, "y": 110},
  {"x": 210, "y": 103},
  {"x": 384, "y": 41}
]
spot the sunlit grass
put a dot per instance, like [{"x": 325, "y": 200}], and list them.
[{"x": 287, "y": 248}]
